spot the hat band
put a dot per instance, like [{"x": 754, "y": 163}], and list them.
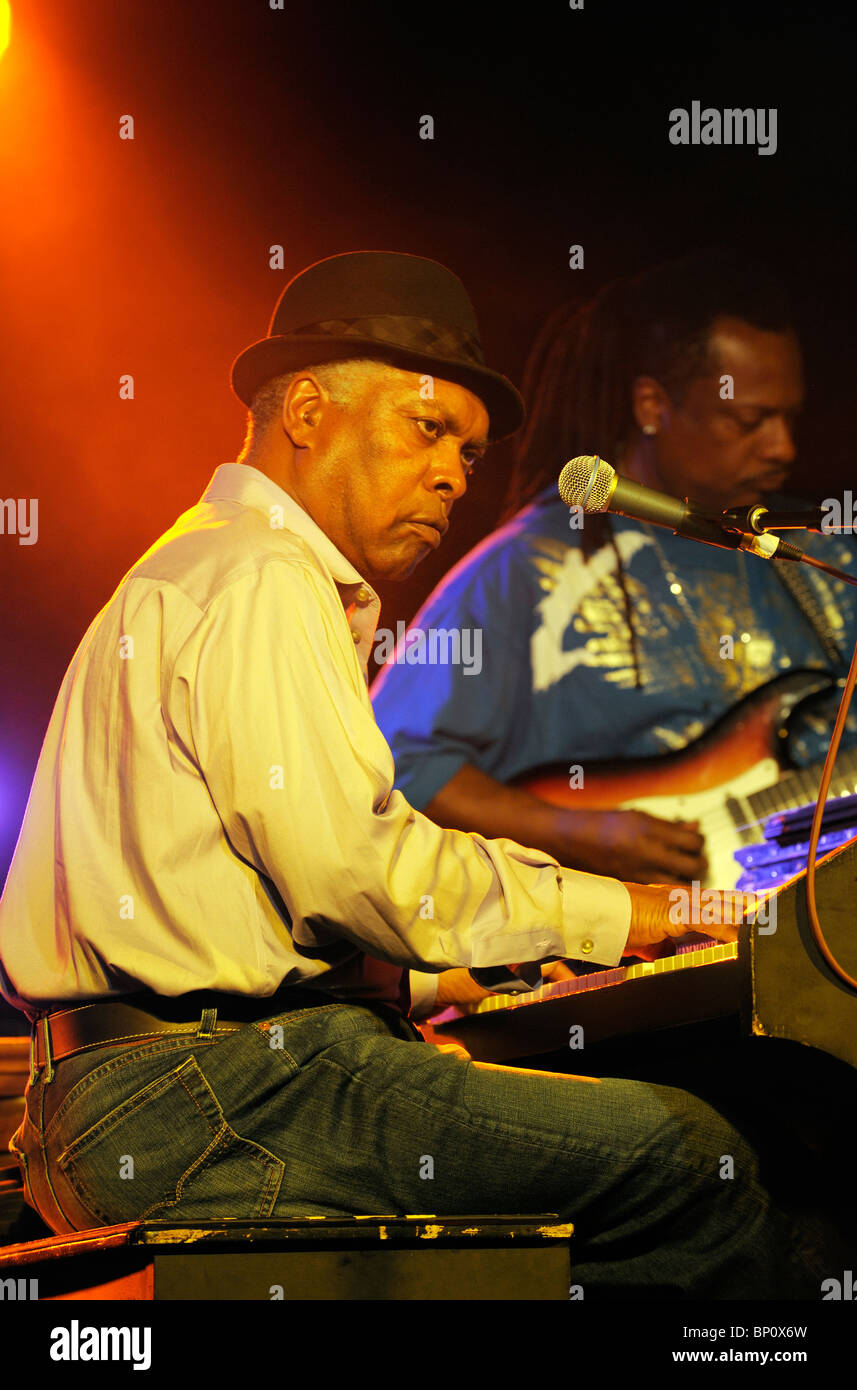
[{"x": 406, "y": 332}]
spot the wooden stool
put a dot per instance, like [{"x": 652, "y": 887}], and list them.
[{"x": 335, "y": 1258}]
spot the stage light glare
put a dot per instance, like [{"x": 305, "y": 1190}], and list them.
[{"x": 5, "y": 25}]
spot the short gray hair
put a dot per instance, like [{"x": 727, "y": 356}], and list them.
[{"x": 343, "y": 380}]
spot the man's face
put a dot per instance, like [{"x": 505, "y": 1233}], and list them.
[
  {"x": 723, "y": 452},
  {"x": 387, "y": 468}
]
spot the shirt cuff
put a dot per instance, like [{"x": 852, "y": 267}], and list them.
[
  {"x": 423, "y": 993},
  {"x": 597, "y": 913},
  {"x": 506, "y": 979}
]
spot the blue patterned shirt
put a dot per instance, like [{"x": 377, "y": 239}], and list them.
[{"x": 551, "y": 674}]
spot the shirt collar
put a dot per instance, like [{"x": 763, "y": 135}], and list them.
[{"x": 242, "y": 483}]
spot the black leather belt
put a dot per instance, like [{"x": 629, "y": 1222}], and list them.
[{"x": 137, "y": 1017}]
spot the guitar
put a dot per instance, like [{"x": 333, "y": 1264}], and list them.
[{"x": 730, "y": 780}]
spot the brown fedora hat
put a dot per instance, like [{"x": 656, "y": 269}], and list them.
[{"x": 407, "y": 310}]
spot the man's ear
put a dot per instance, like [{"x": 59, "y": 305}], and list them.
[
  {"x": 650, "y": 404},
  {"x": 303, "y": 402}
]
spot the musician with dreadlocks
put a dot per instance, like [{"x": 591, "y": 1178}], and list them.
[{"x": 614, "y": 638}]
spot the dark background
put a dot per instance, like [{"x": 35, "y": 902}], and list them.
[{"x": 300, "y": 127}]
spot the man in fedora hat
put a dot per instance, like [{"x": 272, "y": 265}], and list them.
[{"x": 217, "y": 896}]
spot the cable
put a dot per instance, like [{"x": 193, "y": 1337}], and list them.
[{"x": 824, "y": 787}]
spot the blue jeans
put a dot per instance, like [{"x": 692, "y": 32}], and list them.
[{"x": 341, "y": 1109}]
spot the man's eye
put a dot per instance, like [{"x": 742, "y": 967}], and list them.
[
  {"x": 433, "y": 424},
  {"x": 749, "y": 419}
]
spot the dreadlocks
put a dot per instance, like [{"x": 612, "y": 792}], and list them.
[{"x": 579, "y": 377}]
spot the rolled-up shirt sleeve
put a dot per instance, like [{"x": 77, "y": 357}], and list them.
[{"x": 269, "y": 692}]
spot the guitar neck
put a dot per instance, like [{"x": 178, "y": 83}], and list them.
[{"x": 800, "y": 786}]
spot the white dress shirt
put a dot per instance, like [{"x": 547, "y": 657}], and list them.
[{"x": 213, "y": 806}]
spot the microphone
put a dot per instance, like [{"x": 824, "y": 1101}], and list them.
[{"x": 589, "y": 482}]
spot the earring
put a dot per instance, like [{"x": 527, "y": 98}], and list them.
[{"x": 650, "y": 429}]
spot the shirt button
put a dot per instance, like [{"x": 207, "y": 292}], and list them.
[
  {"x": 587, "y": 946},
  {"x": 363, "y": 595},
  {"x": 355, "y": 635}
]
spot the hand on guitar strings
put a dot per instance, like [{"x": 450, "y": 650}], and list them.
[{"x": 631, "y": 845}]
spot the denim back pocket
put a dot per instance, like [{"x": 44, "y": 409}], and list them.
[{"x": 167, "y": 1151}]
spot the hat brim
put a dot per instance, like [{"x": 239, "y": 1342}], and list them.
[{"x": 276, "y": 355}]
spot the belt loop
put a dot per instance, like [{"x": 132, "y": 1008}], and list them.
[
  {"x": 46, "y": 1043},
  {"x": 207, "y": 1023}
]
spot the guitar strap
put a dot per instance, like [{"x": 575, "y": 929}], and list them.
[
  {"x": 807, "y": 600},
  {"x": 629, "y": 607}
]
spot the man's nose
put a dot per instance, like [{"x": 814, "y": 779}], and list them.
[
  {"x": 778, "y": 439},
  {"x": 447, "y": 473}
]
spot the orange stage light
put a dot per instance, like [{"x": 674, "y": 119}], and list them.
[{"x": 5, "y": 25}]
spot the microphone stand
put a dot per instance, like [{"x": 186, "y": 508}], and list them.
[
  {"x": 760, "y": 519},
  {"x": 757, "y": 521}
]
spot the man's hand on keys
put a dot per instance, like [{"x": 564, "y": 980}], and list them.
[{"x": 654, "y": 918}]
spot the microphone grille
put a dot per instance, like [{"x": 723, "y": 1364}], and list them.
[{"x": 587, "y": 482}]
